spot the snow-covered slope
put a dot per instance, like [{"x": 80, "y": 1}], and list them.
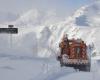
[
  {"x": 36, "y": 18},
  {"x": 39, "y": 34}
]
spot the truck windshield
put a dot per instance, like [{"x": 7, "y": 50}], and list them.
[{"x": 78, "y": 50}]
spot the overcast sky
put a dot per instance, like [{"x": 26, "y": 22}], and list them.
[{"x": 60, "y": 6}]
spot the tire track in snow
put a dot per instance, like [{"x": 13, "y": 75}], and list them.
[{"x": 53, "y": 72}]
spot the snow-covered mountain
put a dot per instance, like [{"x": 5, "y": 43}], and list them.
[
  {"x": 40, "y": 33},
  {"x": 36, "y": 18}
]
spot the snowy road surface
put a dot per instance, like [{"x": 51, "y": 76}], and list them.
[
  {"x": 40, "y": 69},
  {"x": 30, "y": 69}
]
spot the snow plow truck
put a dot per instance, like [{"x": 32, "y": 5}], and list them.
[{"x": 73, "y": 53}]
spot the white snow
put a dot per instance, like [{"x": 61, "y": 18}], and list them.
[{"x": 32, "y": 53}]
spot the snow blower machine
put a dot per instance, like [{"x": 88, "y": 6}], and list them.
[{"x": 73, "y": 53}]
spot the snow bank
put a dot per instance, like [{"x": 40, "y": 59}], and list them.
[{"x": 39, "y": 37}]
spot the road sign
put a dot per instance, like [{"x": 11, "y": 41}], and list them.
[{"x": 9, "y": 30}]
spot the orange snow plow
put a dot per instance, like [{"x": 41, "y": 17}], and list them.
[{"x": 73, "y": 53}]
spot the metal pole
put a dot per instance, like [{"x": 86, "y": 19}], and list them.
[{"x": 10, "y": 40}]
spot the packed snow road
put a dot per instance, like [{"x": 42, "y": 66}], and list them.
[
  {"x": 22, "y": 68},
  {"x": 28, "y": 68}
]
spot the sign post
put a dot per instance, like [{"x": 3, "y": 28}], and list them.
[{"x": 10, "y": 30}]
